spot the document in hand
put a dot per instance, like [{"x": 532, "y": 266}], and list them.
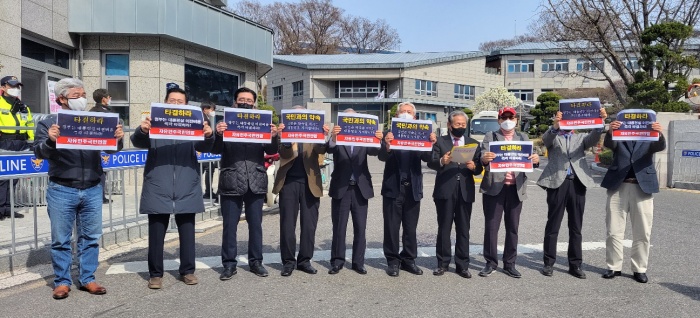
[{"x": 463, "y": 154}]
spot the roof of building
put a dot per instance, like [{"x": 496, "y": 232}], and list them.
[
  {"x": 563, "y": 47},
  {"x": 373, "y": 60}
]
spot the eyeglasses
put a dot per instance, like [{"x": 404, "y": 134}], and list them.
[
  {"x": 243, "y": 100},
  {"x": 507, "y": 117}
]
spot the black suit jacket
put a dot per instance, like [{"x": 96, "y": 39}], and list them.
[
  {"x": 392, "y": 176},
  {"x": 637, "y": 155},
  {"x": 446, "y": 180},
  {"x": 344, "y": 164}
]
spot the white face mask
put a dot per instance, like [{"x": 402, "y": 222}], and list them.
[
  {"x": 78, "y": 104},
  {"x": 109, "y": 102},
  {"x": 405, "y": 116},
  {"x": 14, "y": 92},
  {"x": 508, "y": 125}
]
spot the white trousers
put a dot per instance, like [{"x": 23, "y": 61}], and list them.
[{"x": 628, "y": 199}]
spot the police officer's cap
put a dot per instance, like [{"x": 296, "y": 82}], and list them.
[{"x": 12, "y": 80}]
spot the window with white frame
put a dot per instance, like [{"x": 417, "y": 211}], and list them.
[
  {"x": 521, "y": 66},
  {"x": 632, "y": 64},
  {"x": 116, "y": 76},
  {"x": 464, "y": 92},
  {"x": 427, "y": 88},
  {"x": 525, "y": 95},
  {"x": 558, "y": 65},
  {"x": 298, "y": 88},
  {"x": 587, "y": 66},
  {"x": 277, "y": 93}
]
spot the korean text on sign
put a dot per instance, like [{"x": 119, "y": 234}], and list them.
[
  {"x": 87, "y": 130},
  {"x": 582, "y": 113},
  {"x": 247, "y": 125},
  {"x": 511, "y": 156},
  {"x": 357, "y": 130},
  {"x": 176, "y": 122},
  {"x": 411, "y": 134},
  {"x": 302, "y": 125},
  {"x": 636, "y": 125}
]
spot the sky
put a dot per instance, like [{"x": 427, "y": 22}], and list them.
[{"x": 444, "y": 25}]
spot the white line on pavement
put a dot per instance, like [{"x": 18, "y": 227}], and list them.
[{"x": 371, "y": 253}]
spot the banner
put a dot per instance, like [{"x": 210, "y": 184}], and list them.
[
  {"x": 176, "y": 122},
  {"x": 463, "y": 154},
  {"x": 636, "y": 125},
  {"x": 53, "y": 105},
  {"x": 411, "y": 134},
  {"x": 86, "y": 130},
  {"x": 301, "y": 125},
  {"x": 357, "y": 130},
  {"x": 582, "y": 113},
  {"x": 247, "y": 125},
  {"x": 511, "y": 156}
]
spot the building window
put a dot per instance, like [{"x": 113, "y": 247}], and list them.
[
  {"x": 632, "y": 64},
  {"x": 464, "y": 92},
  {"x": 427, "y": 88},
  {"x": 203, "y": 84},
  {"x": 584, "y": 65},
  {"x": 46, "y": 54},
  {"x": 521, "y": 66},
  {"x": 525, "y": 95},
  {"x": 116, "y": 76},
  {"x": 555, "y": 65},
  {"x": 427, "y": 116},
  {"x": 359, "y": 89},
  {"x": 277, "y": 93},
  {"x": 298, "y": 88}
]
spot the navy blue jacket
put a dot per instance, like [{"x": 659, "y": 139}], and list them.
[{"x": 636, "y": 155}]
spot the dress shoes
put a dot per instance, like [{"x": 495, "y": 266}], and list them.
[
  {"x": 189, "y": 279},
  {"x": 17, "y": 215},
  {"x": 155, "y": 282},
  {"x": 258, "y": 269},
  {"x": 335, "y": 269},
  {"x": 360, "y": 269},
  {"x": 487, "y": 271},
  {"x": 411, "y": 268},
  {"x": 512, "y": 272},
  {"x": 577, "y": 272},
  {"x": 228, "y": 272},
  {"x": 61, "y": 292},
  {"x": 610, "y": 274},
  {"x": 307, "y": 268},
  {"x": 640, "y": 277},
  {"x": 547, "y": 270},
  {"x": 105, "y": 201},
  {"x": 464, "y": 273},
  {"x": 94, "y": 288},
  {"x": 287, "y": 270},
  {"x": 440, "y": 271},
  {"x": 393, "y": 270}
]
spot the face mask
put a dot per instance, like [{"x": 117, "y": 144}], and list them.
[
  {"x": 244, "y": 106},
  {"x": 405, "y": 116},
  {"x": 109, "y": 102},
  {"x": 78, "y": 104},
  {"x": 508, "y": 125},
  {"x": 458, "y": 132},
  {"x": 14, "y": 92}
]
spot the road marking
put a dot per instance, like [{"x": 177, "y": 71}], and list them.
[
  {"x": 371, "y": 253},
  {"x": 539, "y": 169}
]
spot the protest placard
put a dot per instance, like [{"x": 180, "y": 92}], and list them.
[
  {"x": 511, "y": 156},
  {"x": 636, "y": 125},
  {"x": 411, "y": 134},
  {"x": 581, "y": 113},
  {"x": 176, "y": 122},
  {"x": 301, "y": 125},
  {"x": 463, "y": 154},
  {"x": 357, "y": 130},
  {"x": 86, "y": 130},
  {"x": 247, "y": 125}
]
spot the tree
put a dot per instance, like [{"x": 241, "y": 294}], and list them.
[
  {"x": 490, "y": 46},
  {"x": 544, "y": 111},
  {"x": 360, "y": 35},
  {"x": 494, "y": 99},
  {"x": 609, "y": 32}
]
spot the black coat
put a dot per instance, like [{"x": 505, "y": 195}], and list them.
[
  {"x": 242, "y": 166},
  {"x": 392, "y": 175},
  {"x": 343, "y": 166},
  {"x": 446, "y": 180}
]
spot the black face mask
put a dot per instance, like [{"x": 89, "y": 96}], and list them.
[
  {"x": 245, "y": 106},
  {"x": 458, "y": 132}
]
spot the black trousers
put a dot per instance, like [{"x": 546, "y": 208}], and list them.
[
  {"x": 508, "y": 206},
  {"x": 13, "y": 145},
  {"x": 157, "y": 226},
  {"x": 403, "y": 210},
  {"x": 231, "y": 208},
  {"x": 457, "y": 211},
  {"x": 571, "y": 195},
  {"x": 353, "y": 203},
  {"x": 295, "y": 197}
]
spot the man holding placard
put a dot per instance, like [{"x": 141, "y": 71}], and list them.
[
  {"x": 74, "y": 192},
  {"x": 631, "y": 181},
  {"x": 504, "y": 189},
  {"x": 243, "y": 138},
  {"x": 566, "y": 178},
  {"x": 454, "y": 192},
  {"x": 402, "y": 187},
  {"x": 351, "y": 184}
]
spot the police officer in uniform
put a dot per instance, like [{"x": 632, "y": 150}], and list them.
[{"x": 12, "y": 113}]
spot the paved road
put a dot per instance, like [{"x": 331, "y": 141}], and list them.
[{"x": 673, "y": 290}]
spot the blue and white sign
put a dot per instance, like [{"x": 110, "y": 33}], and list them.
[{"x": 691, "y": 153}]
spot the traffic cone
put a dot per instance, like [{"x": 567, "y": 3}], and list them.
[{"x": 597, "y": 151}]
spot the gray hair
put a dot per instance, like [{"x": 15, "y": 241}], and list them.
[
  {"x": 398, "y": 108},
  {"x": 62, "y": 87},
  {"x": 349, "y": 110},
  {"x": 298, "y": 107},
  {"x": 456, "y": 113}
]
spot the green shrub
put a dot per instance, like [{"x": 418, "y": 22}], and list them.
[{"x": 606, "y": 157}]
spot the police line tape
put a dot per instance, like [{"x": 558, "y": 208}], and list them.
[{"x": 27, "y": 164}]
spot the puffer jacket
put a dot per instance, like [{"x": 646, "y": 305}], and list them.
[{"x": 242, "y": 166}]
